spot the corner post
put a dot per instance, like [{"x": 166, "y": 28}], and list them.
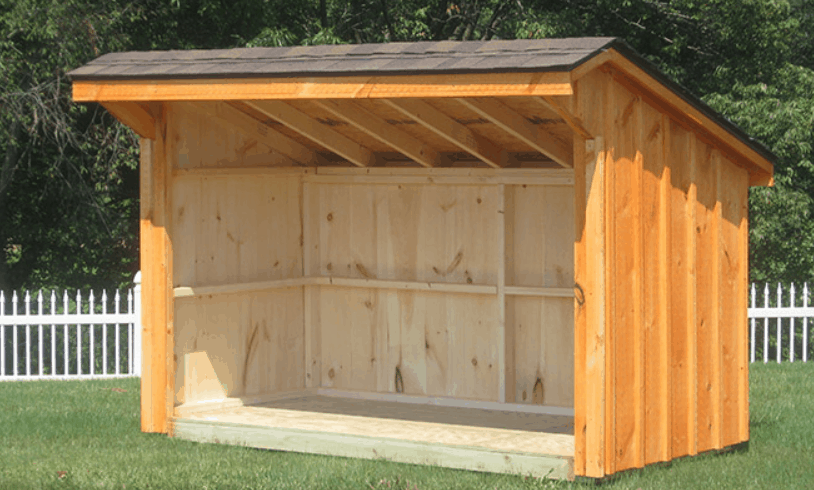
[{"x": 156, "y": 267}]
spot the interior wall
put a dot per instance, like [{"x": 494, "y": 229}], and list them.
[
  {"x": 540, "y": 252},
  {"x": 445, "y": 344},
  {"x": 229, "y": 229}
]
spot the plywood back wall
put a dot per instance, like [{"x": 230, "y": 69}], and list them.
[
  {"x": 540, "y": 252},
  {"x": 443, "y": 344}
]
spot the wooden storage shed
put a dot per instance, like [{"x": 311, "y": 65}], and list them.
[{"x": 516, "y": 256}]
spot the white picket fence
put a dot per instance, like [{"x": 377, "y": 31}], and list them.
[
  {"x": 93, "y": 342},
  {"x": 772, "y": 319},
  {"x": 77, "y": 341}
]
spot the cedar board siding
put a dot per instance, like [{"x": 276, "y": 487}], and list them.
[{"x": 673, "y": 341}]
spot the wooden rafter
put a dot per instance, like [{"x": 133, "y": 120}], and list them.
[
  {"x": 572, "y": 121},
  {"x": 314, "y": 130},
  {"x": 378, "y": 128},
  {"x": 450, "y": 129},
  {"x": 278, "y": 142},
  {"x": 133, "y": 115},
  {"x": 518, "y": 126}
]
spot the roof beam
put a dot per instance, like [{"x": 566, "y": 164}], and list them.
[
  {"x": 572, "y": 121},
  {"x": 253, "y": 128},
  {"x": 314, "y": 130},
  {"x": 518, "y": 126},
  {"x": 134, "y": 116},
  {"x": 451, "y": 130},
  {"x": 339, "y": 87},
  {"x": 378, "y": 128}
]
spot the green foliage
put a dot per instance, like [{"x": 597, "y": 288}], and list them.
[{"x": 68, "y": 172}]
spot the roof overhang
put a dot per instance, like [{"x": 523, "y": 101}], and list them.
[{"x": 128, "y": 97}]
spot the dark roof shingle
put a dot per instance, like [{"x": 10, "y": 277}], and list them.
[{"x": 349, "y": 59}]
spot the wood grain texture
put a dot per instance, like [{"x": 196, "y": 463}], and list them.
[
  {"x": 708, "y": 298},
  {"x": 592, "y": 428},
  {"x": 682, "y": 298},
  {"x": 312, "y": 129},
  {"x": 134, "y": 116},
  {"x": 626, "y": 282},
  {"x": 655, "y": 299},
  {"x": 156, "y": 302},
  {"x": 451, "y": 130},
  {"x": 362, "y": 87},
  {"x": 733, "y": 327},
  {"x": 541, "y": 255},
  {"x": 239, "y": 345},
  {"x": 518, "y": 126},
  {"x": 376, "y": 127}
]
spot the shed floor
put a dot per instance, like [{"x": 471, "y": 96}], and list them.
[{"x": 465, "y": 438}]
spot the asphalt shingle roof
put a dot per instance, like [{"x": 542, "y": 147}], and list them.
[{"x": 350, "y": 59}]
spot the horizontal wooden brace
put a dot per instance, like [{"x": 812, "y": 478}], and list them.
[
  {"x": 441, "y": 287},
  {"x": 397, "y": 176}
]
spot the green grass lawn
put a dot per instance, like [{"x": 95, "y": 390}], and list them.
[{"x": 85, "y": 434}]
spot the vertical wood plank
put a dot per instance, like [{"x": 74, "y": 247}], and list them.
[
  {"x": 150, "y": 256},
  {"x": 596, "y": 313},
  {"x": 681, "y": 295},
  {"x": 167, "y": 142},
  {"x": 684, "y": 334},
  {"x": 741, "y": 308},
  {"x": 708, "y": 298},
  {"x": 626, "y": 285},
  {"x": 580, "y": 273},
  {"x": 665, "y": 251},
  {"x": 610, "y": 177},
  {"x": 654, "y": 227},
  {"x": 733, "y": 297},
  {"x": 306, "y": 231},
  {"x": 503, "y": 387}
]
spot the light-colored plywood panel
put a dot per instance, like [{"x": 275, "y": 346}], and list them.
[
  {"x": 543, "y": 350},
  {"x": 204, "y": 141},
  {"x": 682, "y": 307},
  {"x": 239, "y": 345},
  {"x": 442, "y": 344},
  {"x": 655, "y": 230},
  {"x": 247, "y": 228},
  {"x": 627, "y": 284},
  {"x": 707, "y": 298},
  {"x": 733, "y": 259},
  {"x": 186, "y": 194},
  {"x": 542, "y": 252},
  {"x": 419, "y": 233}
]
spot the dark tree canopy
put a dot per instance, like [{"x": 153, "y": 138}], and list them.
[{"x": 68, "y": 172}]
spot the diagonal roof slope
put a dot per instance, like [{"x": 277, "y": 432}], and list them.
[
  {"x": 349, "y": 59},
  {"x": 516, "y": 64}
]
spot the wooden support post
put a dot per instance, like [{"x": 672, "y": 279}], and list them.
[
  {"x": 305, "y": 221},
  {"x": 501, "y": 295},
  {"x": 156, "y": 260}
]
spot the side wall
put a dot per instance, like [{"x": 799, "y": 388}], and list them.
[
  {"x": 231, "y": 228},
  {"x": 661, "y": 339}
]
